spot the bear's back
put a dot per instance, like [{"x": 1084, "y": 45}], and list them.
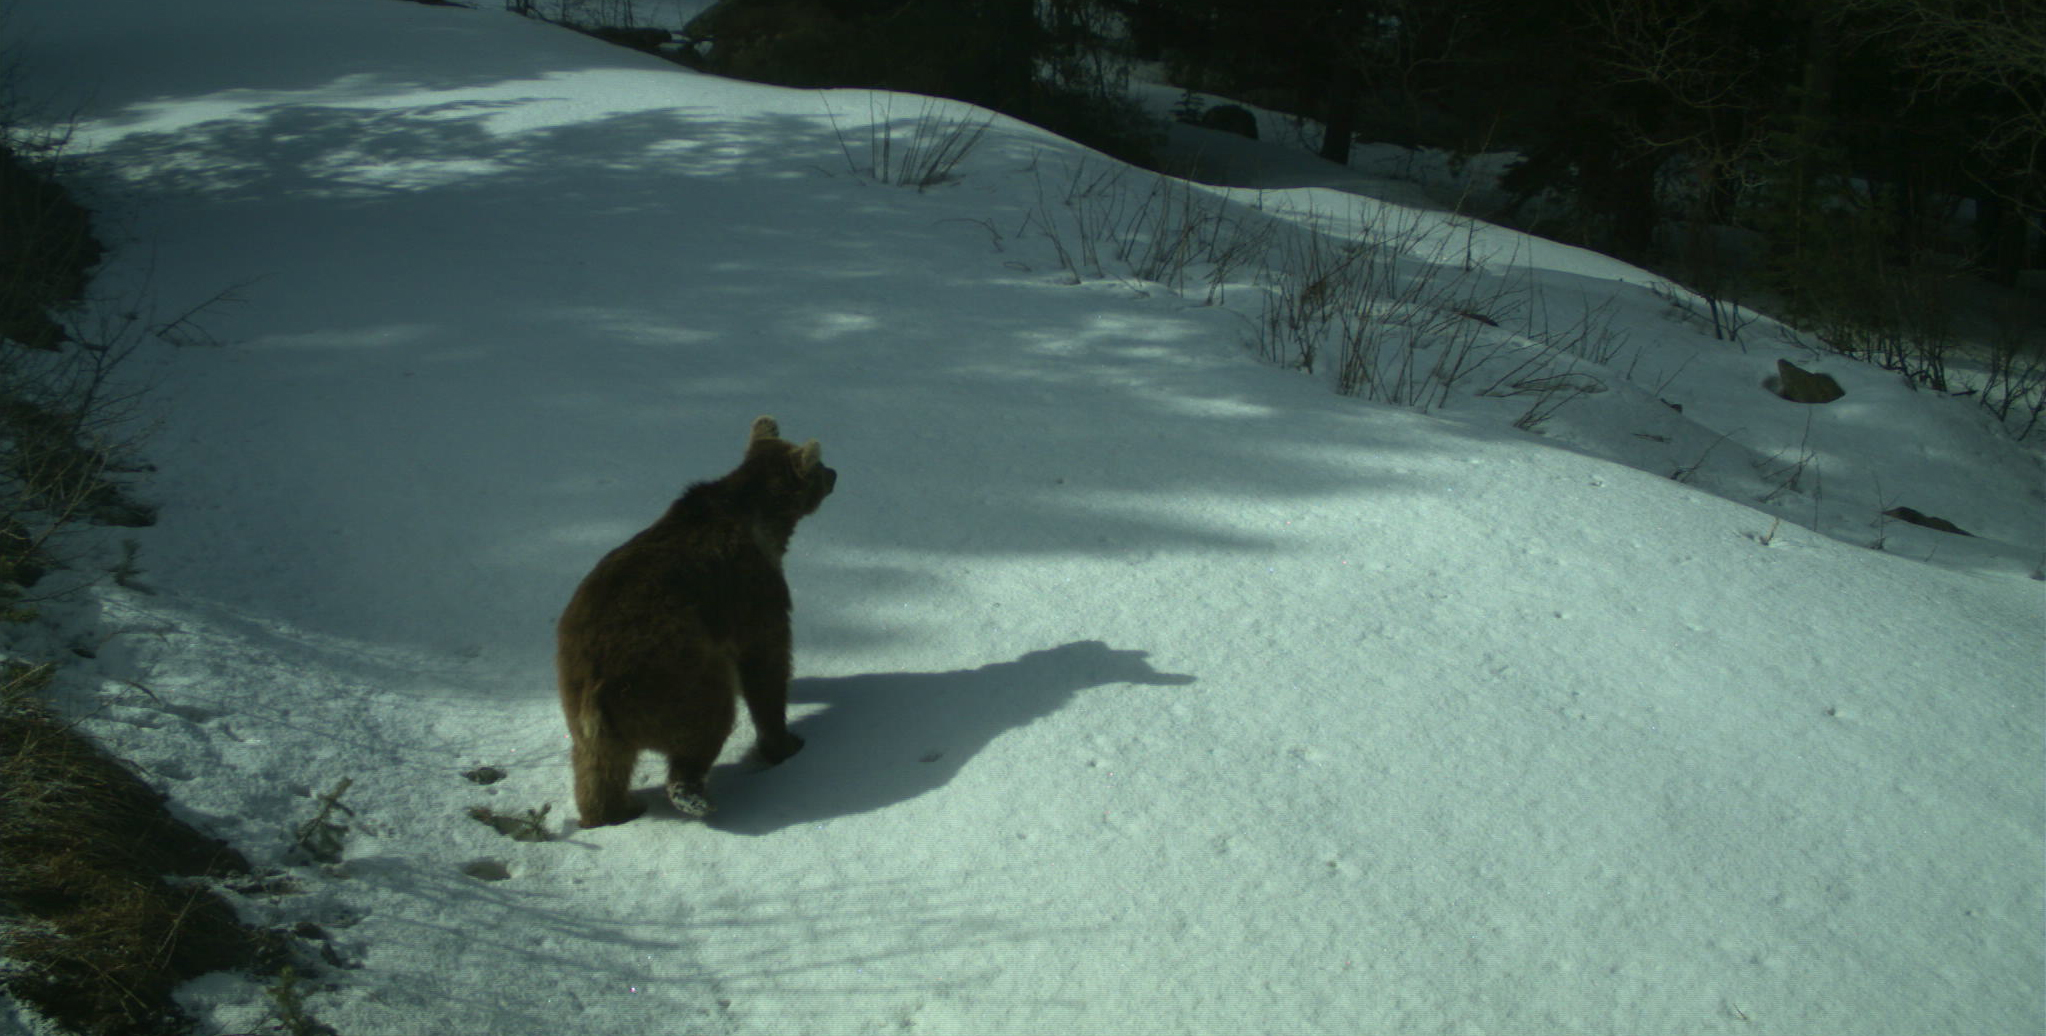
[{"x": 699, "y": 566}]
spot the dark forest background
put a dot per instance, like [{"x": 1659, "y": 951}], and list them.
[{"x": 1849, "y": 159}]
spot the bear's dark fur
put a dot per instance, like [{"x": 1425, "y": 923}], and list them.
[{"x": 690, "y": 614}]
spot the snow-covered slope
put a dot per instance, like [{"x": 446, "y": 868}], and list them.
[{"x": 1147, "y": 688}]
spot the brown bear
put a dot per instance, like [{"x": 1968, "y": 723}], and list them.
[{"x": 685, "y": 617}]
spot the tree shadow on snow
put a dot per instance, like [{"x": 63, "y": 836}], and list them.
[{"x": 889, "y": 737}]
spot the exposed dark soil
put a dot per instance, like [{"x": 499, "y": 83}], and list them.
[{"x": 100, "y": 919}]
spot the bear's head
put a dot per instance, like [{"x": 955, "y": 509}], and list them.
[{"x": 786, "y": 479}]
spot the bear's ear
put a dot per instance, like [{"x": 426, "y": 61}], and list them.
[
  {"x": 809, "y": 457},
  {"x": 763, "y": 428}
]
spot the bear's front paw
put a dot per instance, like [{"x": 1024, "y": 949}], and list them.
[{"x": 773, "y": 752}]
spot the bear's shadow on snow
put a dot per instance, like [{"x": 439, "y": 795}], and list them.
[{"x": 886, "y": 738}]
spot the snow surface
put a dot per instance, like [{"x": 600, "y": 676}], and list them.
[{"x": 1147, "y": 688}]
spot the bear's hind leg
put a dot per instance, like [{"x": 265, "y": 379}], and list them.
[
  {"x": 603, "y": 773},
  {"x": 694, "y": 748},
  {"x": 689, "y": 787}
]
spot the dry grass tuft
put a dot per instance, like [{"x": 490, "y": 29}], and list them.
[{"x": 100, "y": 936}]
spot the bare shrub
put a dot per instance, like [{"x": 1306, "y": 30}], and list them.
[
  {"x": 1174, "y": 233},
  {"x": 1402, "y": 320},
  {"x": 2014, "y": 385},
  {"x": 923, "y": 155},
  {"x": 1404, "y": 314}
]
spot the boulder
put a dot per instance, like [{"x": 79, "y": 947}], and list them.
[
  {"x": 1798, "y": 385},
  {"x": 1231, "y": 118}
]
